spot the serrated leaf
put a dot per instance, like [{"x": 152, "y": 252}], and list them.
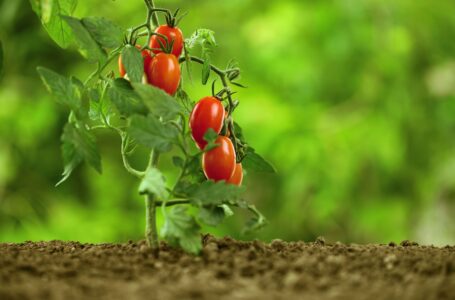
[
  {"x": 158, "y": 102},
  {"x": 181, "y": 229},
  {"x": 133, "y": 62},
  {"x": 211, "y": 193},
  {"x": 153, "y": 183},
  {"x": 151, "y": 132},
  {"x": 88, "y": 47},
  {"x": 256, "y": 163},
  {"x": 64, "y": 90},
  {"x": 125, "y": 99},
  {"x": 200, "y": 37},
  {"x": 104, "y": 31},
  {"x": 50, "y": 12},
  {"x": 212, "y": 216},
  {"x": 100, "y": 107},
  {"x": 78, "y": 145}
]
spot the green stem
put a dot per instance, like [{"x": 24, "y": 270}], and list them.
[
  {"x": 101, "y": 67},
  {"x": 155, "y": 20},
  {"x": 127, "y": 165},
  {"x": 151, "y": 231},
  {"x": 173, "y": 202},
  {"x": 218, "y": 71}
]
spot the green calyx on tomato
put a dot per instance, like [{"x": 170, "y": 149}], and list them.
[{"x": 167, "y": 39}]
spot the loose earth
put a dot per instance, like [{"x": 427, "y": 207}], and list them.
[{"x": 226, "y": 269}]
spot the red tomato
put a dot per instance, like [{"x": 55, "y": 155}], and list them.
[
  {"x": 164, "y": 72},
  {"x": 172, "y": 34},
  {"x": 207, "y": 113},
  {"x": 237, "y": 176},
  {"x": 219, "y": 163},
  {"x": 145, "y": 55}
]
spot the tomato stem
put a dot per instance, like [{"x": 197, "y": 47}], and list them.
[{"x": 151, "y": 232}]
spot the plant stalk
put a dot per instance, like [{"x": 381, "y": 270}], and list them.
[{"x": 151, "y": 230}]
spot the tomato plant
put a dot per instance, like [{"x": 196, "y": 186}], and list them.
[{"x": 155, "y": 115}]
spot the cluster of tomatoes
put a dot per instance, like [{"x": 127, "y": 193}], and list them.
[
  {"x": 162, "y": 70},
  {"x": 218, "y": 163}
]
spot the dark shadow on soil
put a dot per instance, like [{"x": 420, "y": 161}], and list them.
[{"x": 227, "y": 269}]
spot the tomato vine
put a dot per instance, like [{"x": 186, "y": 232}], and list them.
[{"x": 146, "y": 113}]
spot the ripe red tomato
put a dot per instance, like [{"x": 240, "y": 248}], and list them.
[
  {"x": 219, "y": 163},
  {"x": 237, "y": 176},
  {"x": 172, "y": 34},
  {"x": 164, "y": 72},
  {"x": 207, "y": 113},
  {"x": 145, "y": 55}
]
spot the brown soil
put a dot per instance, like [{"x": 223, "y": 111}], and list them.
[{"x": 227, "y": 269}]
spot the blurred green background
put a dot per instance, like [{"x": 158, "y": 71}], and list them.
[{"x": 352, "y": 101}]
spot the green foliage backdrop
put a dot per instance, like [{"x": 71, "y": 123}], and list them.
[{"x": 353, "y": 102}]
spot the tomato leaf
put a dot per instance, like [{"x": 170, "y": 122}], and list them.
[
  {"x": 151, "y": 132},
  {"x": 100, "y": 106},
  {"x": 213, "y": 216},
  {"x": 178, "y": 161},
  {"x": 181, "y": 229},
  {"x": 153, "y": 183},
  {"x": 158, "y": 102},
  {"x": 104, "y": 31},
  {"x": 78, "y": 145},
  {"x": 206, "y": 39},
  {"x": 133, "y": 62},
  {"x": 210, "y": 137},
  {"x": 50, "y": 13},
  {"x": 125, "y": 99},
  {"x": 211, "y": 193},
  {"x": 88, "y": 47},
  {"x": 63, "y": 89},
  {"x": 256, "y": 163}
]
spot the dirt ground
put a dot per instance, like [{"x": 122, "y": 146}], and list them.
[{"x": 227, "y": 269}]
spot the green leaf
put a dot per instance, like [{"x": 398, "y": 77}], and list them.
[
  {"x": 213, "y": 216},
  {"x": 50, "y": 12},
  {"x": 153, "y": 183},
  {"x": 206, "y": 69},
  {"x": 125, "y": 99},
  {"x": 206, "y": 39},
  {"x": 210, "y": 137},
  {"x": 158, "y": 102},
  {"x": 88, "y": 47},
  {"x": 78, "y": 145},
  {"x": 255, "y": 163},
  {"x": 200, "y": 37},
  {"x": 104, "y": 31},
  {"x": 64, "y": 90},
  {"x": 211, "y": 193},
  {"x": 181, "y": 229},
  {"x": 100, "y": 107},
  {"x": 185, "y": 100},
  {"x": 133, "y": 62},
  {"x": 151, "y": 132},
  {"x": 254, "y": 224}
]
